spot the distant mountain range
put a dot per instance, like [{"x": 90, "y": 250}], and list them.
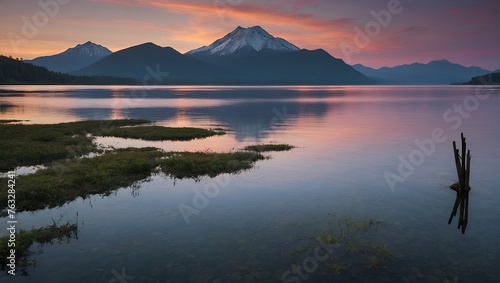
[
  {"x": 433, "y": 73},
  {"x": 244, "y": 56},
  {"x": 153, "y": 64},
  {"x": 72, "y": 59}
]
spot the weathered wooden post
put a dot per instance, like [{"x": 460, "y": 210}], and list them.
[{"x": 463, "y": 172}]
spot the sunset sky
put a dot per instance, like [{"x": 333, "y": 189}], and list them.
[{"x": 462, "y": 31}]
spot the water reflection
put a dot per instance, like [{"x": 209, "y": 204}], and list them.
[
  {"x": 461, "y": 200},
  {"x": 346, "y": 137},
  {"x": 4, "y": 106}
]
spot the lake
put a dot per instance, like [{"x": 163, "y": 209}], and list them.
[{"x": 382, "y": 153}]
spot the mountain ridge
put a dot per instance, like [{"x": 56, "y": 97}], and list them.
[
  {"x": 244, "y": 56},
  {"x": 434, "y": 72},
  {"x": 154, "y": 64},
  {"x": 73, "y": 58}
]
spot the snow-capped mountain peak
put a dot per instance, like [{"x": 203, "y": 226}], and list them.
[
  {"x": 253, "y": 38},
  {"x": 88, "y": 49},
  {"x": 73, "y": 58}
]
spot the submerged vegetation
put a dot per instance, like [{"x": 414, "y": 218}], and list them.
[
  {"x": 351, "y": 238},
  {"x": 269, "y": 147},
  {"x": 25, "y": 239}
]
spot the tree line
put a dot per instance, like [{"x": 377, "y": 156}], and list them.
[{"x": 15, "y": 71}]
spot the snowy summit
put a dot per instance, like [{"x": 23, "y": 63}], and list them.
[
  {"x": 88, "y": 49},
  {"x": 253, "y": 39},
  {"x": 73, "y": 58}
]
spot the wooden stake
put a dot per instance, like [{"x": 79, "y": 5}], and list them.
[{"x": 462, "y": 164}]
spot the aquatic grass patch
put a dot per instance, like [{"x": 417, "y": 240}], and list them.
[
  {"x": 98, "y": 175},
  {"x": 194, "y": 165},
  {"x": 81, "y": 177},
  {"x": 28, "y": 145},
  {"x": 339, "y": 268},
  {"x": 348, "y": 242},
  {"x": 24, "y": 239},
  {"x": 269, "y": 147},
  {"x": 156, "y": 133},
  {"x": 68, "y": 174}
]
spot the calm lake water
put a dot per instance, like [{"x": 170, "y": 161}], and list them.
[{"x": 260, "y": 225}]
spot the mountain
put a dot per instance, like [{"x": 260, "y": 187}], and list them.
[
  {"x": 245, "y": 41},
  {"x": 153, "y": 64},
  {"x": 256, "y": 57},
  {"x": 14, "y": 71},
  {"x": 434, "y": 73},
  {"x": 72, "y": 59}
]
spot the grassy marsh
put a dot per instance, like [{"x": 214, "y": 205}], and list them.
[
  {"x": 69, "y": 179},
  {"x": 269, "y": 147},
  {"x": 25, "y": 239},
  {"x": 155, "y": 133},
  {"x": 67, "y": 175},
  {"x": 79, "y": 177},
  {"x": 182, "y": 165},
  {"x": 27, "y": 145}
]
